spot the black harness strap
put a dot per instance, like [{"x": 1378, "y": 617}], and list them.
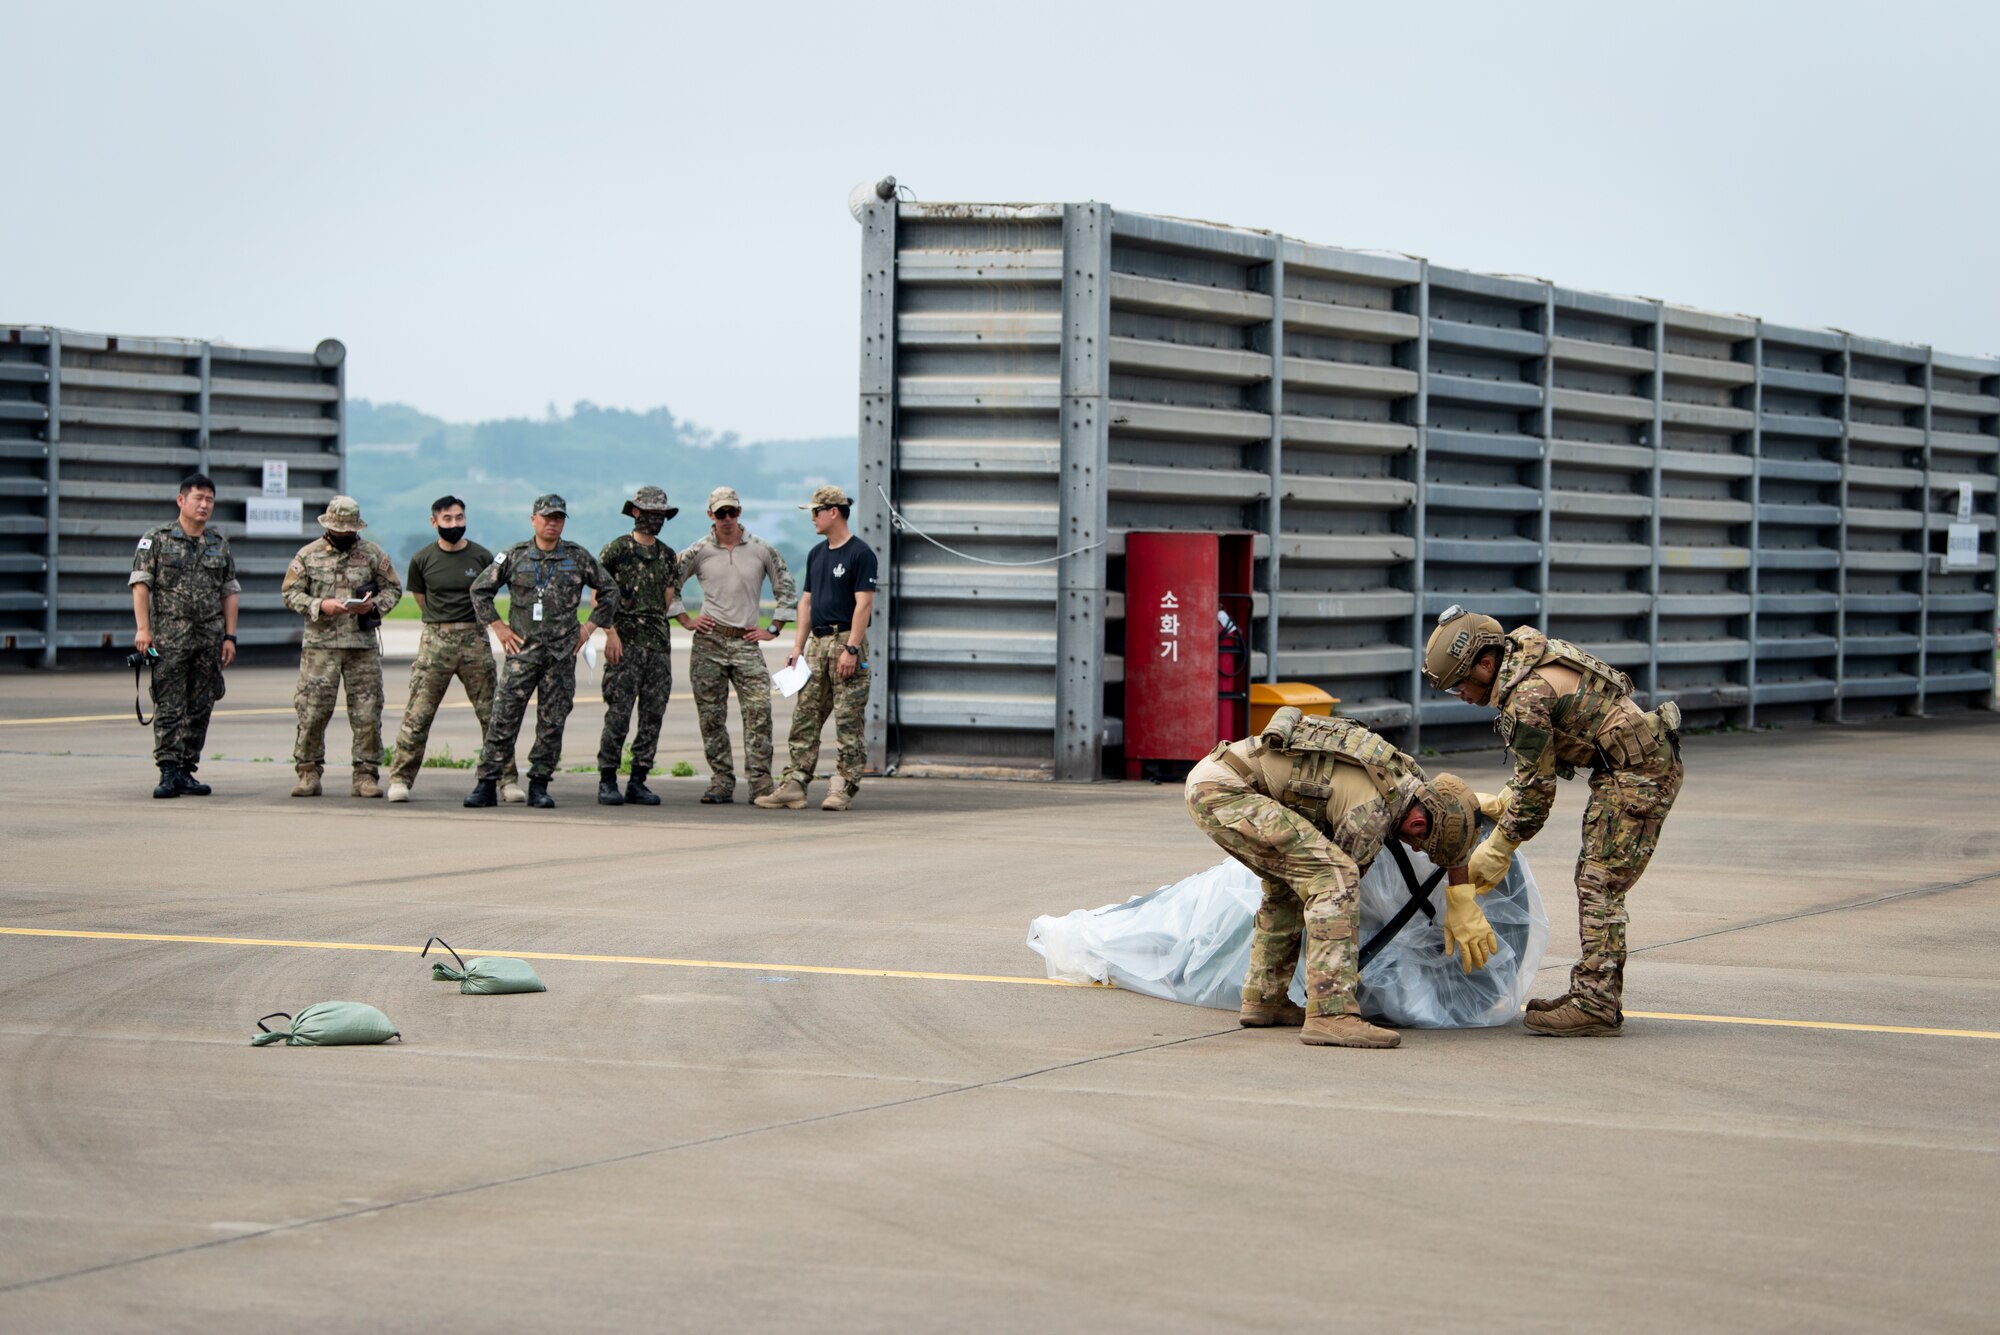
[{"x": 1419, "y": 901}]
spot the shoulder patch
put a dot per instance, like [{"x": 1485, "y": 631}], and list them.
[
  {"x": 144, "y": 543},
  {"x": 499, "y": 558},
  {"x": 298, "y": 566}
]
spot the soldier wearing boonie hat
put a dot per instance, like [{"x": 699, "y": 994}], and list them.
[
  {"x": 544, "y": 579},
  {"x": 640, "y": 676},
  {"x": 341, "y": 583},
  {"x": 833, "y": 636},
  {"x": 731, "y": 565}
]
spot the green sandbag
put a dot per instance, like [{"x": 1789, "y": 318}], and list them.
[
  {"x": 329, "y": 1024},
  {"x": 485, "y": 975}
]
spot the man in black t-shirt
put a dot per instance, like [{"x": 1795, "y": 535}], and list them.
[
  {"x": 453, "y": 645},
  {"x": 833, "y": 636}
]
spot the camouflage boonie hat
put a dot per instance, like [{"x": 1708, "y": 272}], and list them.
[
  {"x": 551, "y": 504},
  {"x": 828, "y": 495},
  {"x": 651, "y": 498},
  {"x": 343, "y": 515},
  {"x": 722, "y": 496}
]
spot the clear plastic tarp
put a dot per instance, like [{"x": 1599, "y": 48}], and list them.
[{"x": 1190, "y": 942}]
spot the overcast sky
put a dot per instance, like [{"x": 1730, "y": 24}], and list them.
[{"x": 497, "y": 205}]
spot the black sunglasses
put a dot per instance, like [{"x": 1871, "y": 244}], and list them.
[
  {"x": 818, "y": 508},
  {"x": 727, "y": 512}
]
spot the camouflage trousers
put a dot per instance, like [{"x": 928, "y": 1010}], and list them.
[
  {"x": 457, "y": 649},
  {"x": 186, "y": 684},
  {"x": 714, "y": 664},
  {"x": 643, "y": 677},
  {"x": 321, "y": 672},
  {"x": 1311, "y": 889},
  {"x": 1621, "y": 828},
  {"x": 826, "y": 693},
  {"x": 548, "y": 673}
]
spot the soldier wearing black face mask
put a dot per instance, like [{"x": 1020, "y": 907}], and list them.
[
  {"x": 334, "y": 582},
  {"x": 454, "y": 645},
  {"x": 638, "y": 673}
]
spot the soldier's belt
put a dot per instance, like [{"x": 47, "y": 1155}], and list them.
[
  {"x": 727, "y": 632},
  {"x": 1243, "y": 768},
  {"x": 832, "y": 628},
  {"x": 451, "y": 625}
]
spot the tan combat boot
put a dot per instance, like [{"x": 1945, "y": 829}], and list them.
[
  {"x": 398, "y": 792},
  {"x": 513, "y": 794},
  {"x": 1347, "y": 1031},
  {"x": 838, "y": 796},
  {"x": 1547, "y": 1003},
  {"x": 366, "y": 784},
  {"x": 791, "y": 794},
  {"x": 1571, "y": 1020},
  {"x": 308, "y": 784},
  {"x": 1271, "y": 1015}
]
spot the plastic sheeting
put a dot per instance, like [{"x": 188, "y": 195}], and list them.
[{"x": 1190, "y": 942}]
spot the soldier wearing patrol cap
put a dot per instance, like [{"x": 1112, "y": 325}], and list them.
[
  {"x": 1307, "y": 804},
  {"x": 341, "y": 583},
  {"x": 731, "y": 564},
  {"x": 641, "y": 675},
  {"x": 1561, "y": 708},
  {"x": 544, "y": 579},
  {"x": 833, "y": 637}
]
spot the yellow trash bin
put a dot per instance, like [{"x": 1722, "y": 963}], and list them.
[{"x": 1267, "y": 698}]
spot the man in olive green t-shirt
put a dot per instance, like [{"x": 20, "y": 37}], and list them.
[{"x": 453, "y": 645}]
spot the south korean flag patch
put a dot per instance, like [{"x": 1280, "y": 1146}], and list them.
[{"x": 144, "y": 543}]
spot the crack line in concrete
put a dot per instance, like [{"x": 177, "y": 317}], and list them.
[
  {"x": 1914, "y": 892},
  {"x": 630, "y": 1157}
]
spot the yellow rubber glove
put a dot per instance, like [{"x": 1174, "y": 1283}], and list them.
[
  {"x": 1488, "y": 866},
  {"x": 1491, "y": 805},
  {"x": 1466, "y": 929}
]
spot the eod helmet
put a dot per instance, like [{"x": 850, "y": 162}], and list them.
[
  {"x": 1456, "y": 644},
  {"x": 1454, "y": 820}
]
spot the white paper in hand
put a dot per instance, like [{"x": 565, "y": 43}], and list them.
[
  {"x": 789, "y": 680},
  {"x": 590, "y": 653}
]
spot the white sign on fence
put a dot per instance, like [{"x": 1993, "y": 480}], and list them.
[
  {"x": 273, "y": 518},
  {"x": 1965, "y": 502},
  {"x": 276, "y": 475},
  {"x": 1961, "y": 546}
]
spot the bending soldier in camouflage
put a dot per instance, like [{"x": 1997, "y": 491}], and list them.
[
  {"x": 1307, "y": 804},
  {"x": 544, "y": 579},
  {"x": 184, "y": 595},
  {"x": 334, "y": 582},
  {"x": 731, "y": 565},
  {"x": 1561, "y": 709},
  {"x": 641, "y": 674}
]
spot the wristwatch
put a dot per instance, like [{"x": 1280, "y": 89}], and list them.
[
  {"x": 230, "y": 638},
  {"x": 851, "y": 649}
]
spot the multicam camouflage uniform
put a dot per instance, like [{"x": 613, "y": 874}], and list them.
[
  {"x": 187, "y": 579},
  {"x": 337, "y": 649},
  {"x": 555, "y": 581},
  {"x": 1553, "y": 727},
  {"x": 445, "y": 651},
  {"x": 722, "y": 657},
  {"x": 1311, "y": 845},
  {"x": 826, "y": 693},
  {"x": 643, "y": 676}
]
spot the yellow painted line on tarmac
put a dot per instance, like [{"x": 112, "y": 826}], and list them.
[
  {"x": 1018, "y": 979},
  {"x": 126, "y": 717},
  {"x": 1814, "y": 1024},
  {"x": 549, "y": 955}
]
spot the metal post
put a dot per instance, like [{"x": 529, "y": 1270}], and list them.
[
  {"x": 1924, "y": 543},
  {"x": 1420, "y": 514},
  {"x": 1083, "y": 525},
  {"x": 1546, "y": 475},
  {"x": 202, "y": 395},
  {"x": 1275, "y": 464},
  {"x": 1840, "y": 618},
  {"x": 1756, "y": 516},
  {"x": 1653, "y": 531},
  {"x": 52, "y": 506},
  {"x": 877, "y": 450}
]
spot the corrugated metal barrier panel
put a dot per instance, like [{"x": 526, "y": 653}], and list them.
[
  {"x": 1751, "y": 520},
  {"x": 96, "y": 432}
]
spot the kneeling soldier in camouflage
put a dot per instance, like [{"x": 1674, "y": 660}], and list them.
[
  {"x": 1307, "y": 804},
  {"x": 1561, "y": 708}
]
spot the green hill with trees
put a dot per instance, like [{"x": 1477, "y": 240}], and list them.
[{"x": 400, "y": 459}]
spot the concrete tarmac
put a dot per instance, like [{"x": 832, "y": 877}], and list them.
[{"x": 891, "y": 1120}]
